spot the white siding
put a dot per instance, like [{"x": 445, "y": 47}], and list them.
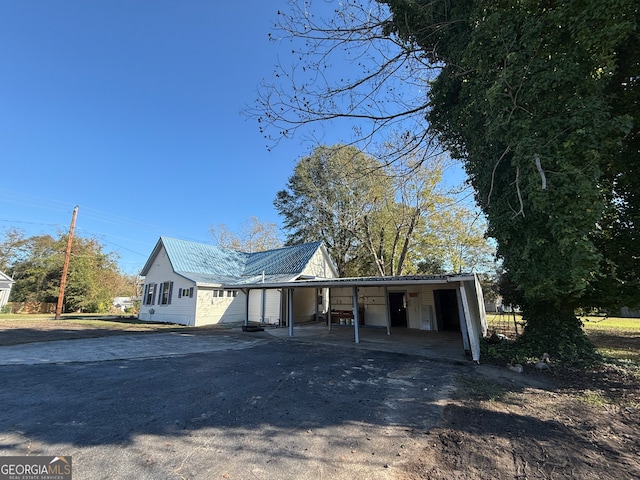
[
  {"x": 271, "y": 306},
  {"x": 5, "y": 289},
  {"x": 414, "y": 306},
  {"x": 319, "y": 266},
  {"x": 428, "y": 320},
  {"x": 213, "y": 309},
  {"x": 304, "y": 304},
  {"x": 375, "y": 305},
  {"x": 342, "y": 298},
  {"x": 181, "y": 310},
  {"x": 4, "y": 296}
]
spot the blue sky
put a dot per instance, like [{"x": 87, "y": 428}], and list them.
[{"x": 131, "y": 109}]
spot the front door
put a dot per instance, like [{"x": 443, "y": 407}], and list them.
[{"x": 398, "y": 309}]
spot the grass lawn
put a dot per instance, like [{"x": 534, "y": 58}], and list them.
[{"x": 616, "y": 338}]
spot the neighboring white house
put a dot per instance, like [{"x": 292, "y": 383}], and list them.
[
  {"x": 122, "y": 303},
  {"x": 198, "y": 284},
  {"x": 6, "y": 282}
]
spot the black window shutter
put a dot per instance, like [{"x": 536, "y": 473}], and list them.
[
  {"x": 170, "y": 292},
  {"x": 146, "y": 292},
  {"x": 179, "y": 293},
  {"x": 191, "y": 292},
  {"x": 153, "y": 297}
]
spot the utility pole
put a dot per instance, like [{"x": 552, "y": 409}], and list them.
[{"x": 65, "y": 267}]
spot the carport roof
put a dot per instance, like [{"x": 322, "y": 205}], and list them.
[{"x": 364, "y": 281}]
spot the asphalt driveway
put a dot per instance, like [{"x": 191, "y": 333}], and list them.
[{"x": 233, "y": 406}]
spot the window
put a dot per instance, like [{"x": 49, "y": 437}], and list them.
[
  {"x": 224, "y": 293},
  {"x": 185, "y": 292},
  {"x": 149, "y": 294},
  {"x": 165, "y": 293}
]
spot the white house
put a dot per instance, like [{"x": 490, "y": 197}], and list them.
[
  {"x": 198, "y": 284},
  {"x": 6, "y": 282},
  {"x": 122, "y": 303}
]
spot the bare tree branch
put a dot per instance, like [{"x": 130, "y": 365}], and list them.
[{"x": 346, "y": 69}]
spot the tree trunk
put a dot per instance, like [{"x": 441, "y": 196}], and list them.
[{"x": 556, "y": 331}]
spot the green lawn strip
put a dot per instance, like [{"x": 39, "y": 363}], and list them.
[
  {"x": 617, "y": 339},
  {"x": 611, "y": 323}
]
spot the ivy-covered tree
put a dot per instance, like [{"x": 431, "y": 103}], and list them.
[{"x": 539, "y": 100}]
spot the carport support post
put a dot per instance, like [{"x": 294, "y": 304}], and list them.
[
  {"x": 473, "y": 335},
  {"x": 386, "y": 301},
  {"x": 463, "y": 323},
  {"x": 290, "y": 311},
  {"x": 246, "y": 306},
  {"x": 329, "y": 308},
  {"x": 356, "y": 320}
]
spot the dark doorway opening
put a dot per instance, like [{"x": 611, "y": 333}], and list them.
[
  {"x": 398, "y": 309},
  {"x": 447, "y": 310}
]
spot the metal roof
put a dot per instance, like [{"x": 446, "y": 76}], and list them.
[
  {"x": 209, "y": 264},
  {"x": 287, "y": 260},
  {"x": 204, "y": 259}
]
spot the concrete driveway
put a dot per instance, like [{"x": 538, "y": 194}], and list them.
[{"x": 227, "y": 405}]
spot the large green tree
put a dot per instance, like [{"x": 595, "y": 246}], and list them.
[
  {"x": 328, "y": 197},
  {"x": 394, "y": 231},
  {"x": 36, "y": 269},
  {"x": 376, "y": 218},
  {"x": 36, "y": 262},
  {"x": 539, "y": 99}
]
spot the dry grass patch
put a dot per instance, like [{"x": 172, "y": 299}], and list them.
[{"x": 15, "y": 330}]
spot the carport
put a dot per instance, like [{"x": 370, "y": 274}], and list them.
[{"x": 434, "y": 302}]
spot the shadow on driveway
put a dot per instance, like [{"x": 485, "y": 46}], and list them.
[{"x": 277, "y": 409}]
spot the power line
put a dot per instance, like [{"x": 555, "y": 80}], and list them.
[{"x": 31, "y": 223}]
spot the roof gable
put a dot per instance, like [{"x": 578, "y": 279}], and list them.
[
  {"x": 6, "y": 280},
  {"x": 287, "y": 260}
]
